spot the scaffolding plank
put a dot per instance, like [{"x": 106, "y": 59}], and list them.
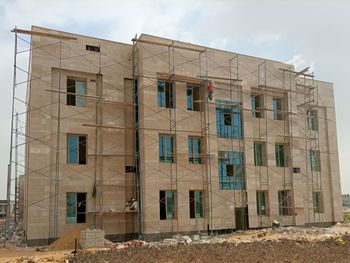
[
  {"x": 171, "y": 44},
  {"x": 180, "y": 78},
  {"x": 36, "y": 33}
]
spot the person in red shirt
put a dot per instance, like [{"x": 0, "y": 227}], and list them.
[{"x": 210, "y": 90}]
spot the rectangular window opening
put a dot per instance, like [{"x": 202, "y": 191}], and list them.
[
  {"x": 166, "y": 148},
  {"x": 277, "y": 106},
  {"x": 193, "y": 98},
  {"x": 196, "y": 204},
  {"x": 312, "y": 120},
  {"x": 76, "y": 150},
  {"x": 257, "y": 104},
  {"x": 167, "y": 205},
  {"x": 166, "y": 94},
  {"x": 231, "y": 171},
  {"x": 93, "y": 48},
  {"x": 318, "y": 202},
  {"x": 281, "y": 155},
  {"x": 194, "y": 150},
  {"x": 76, "y": 91},
  {"x": 285, "y": 205},
  {"x": 76, "y": 208},
  {"x": 259, "y": 154},
  {"x": 261, "y": 203},
  {"x": 315, "y": 160},
  {"x": 228, "y": 119}
]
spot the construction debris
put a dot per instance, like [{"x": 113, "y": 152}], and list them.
[{"x": 67, "y": 241}]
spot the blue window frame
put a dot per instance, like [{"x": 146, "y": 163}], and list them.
[
  {"x": 165, "y": 94},
  {"x": 228, "y": 119},
  {"x": 231, "y": 172},
  {"x": 194, "y": 150},
  {"x": 256, "y": 102},
  {"x": 166, "y": 148},
  {"x": 76, "y": 149}
]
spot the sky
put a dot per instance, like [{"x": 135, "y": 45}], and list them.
[{"x": 303, "y": 32}]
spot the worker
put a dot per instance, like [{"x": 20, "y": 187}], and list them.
[
  {"x": 134, "y": 205},
  {"x": 210, "y": 90}
]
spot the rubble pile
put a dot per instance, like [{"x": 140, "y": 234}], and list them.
[{"x": 18, "y": 238}]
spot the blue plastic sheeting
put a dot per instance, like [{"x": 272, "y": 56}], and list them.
[
  {"x": 80, "y": 90},
  {"x": 71, "y": 208},
  {"x": 161, "y": 93},
  {"x": 73, "y": 142},
  {"x": 235, "y": 181},
  {"x": 232, "y": 129},
  {"x": 189, "y": 98}
]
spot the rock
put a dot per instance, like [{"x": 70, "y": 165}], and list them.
[
  {"x": 170, "y": 242},
  {"x": 196, "y": 237}
]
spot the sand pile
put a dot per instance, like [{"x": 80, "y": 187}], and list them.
[{"x": 66, "y": 241}]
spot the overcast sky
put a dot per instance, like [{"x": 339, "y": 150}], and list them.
[{"x": 305, "y": 33}]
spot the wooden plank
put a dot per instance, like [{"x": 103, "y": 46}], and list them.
[
  {"x": 296, "y": 72},
  {"x": 221, "y": 78},
  {"x": 171, "y": 44},
  {"x": 72, "y": 93},
  {"x": 180, "y": 78},
  {"x": 42, "y": 34},
  {"x": 302, "y": 72}
]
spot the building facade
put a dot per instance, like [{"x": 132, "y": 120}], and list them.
[{"x": 204, "y": 139}]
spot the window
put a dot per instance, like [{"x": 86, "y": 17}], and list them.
[
  {"x": 228, "y": 119},
  {"x": 315, "y": 161},
  {"x": 193, "y": 97},
  {"x": 285, "y": 206},
  {"x": 277, "y": 106},
  {"x": 167, "y": 205},
  {"x": 231, "y": 172},
  {"x": 312, "y": 123},
  {"x": 76, "y": 149},
  {"x": 194, "y": 150},
  {"x": 317, "y": 198},
  {"x": 261, "y": 201},
  {"x": 196, "y": 204},
  {"x": 165, "y": 94},
  {"x": 93, "y": 48},
  {"x": 259, "y": 154},
  {"x": 257, "y": 105},
  {"x": 281, "y": 155},
  {"x": 76, "y": 208},
  {"x": 76, "y": 91},
  {"x": 166, "y": 148}
]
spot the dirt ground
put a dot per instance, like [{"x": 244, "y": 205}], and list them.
[
  {"x": 330, "y": 250},
  {"x": 287, "y": 244}
]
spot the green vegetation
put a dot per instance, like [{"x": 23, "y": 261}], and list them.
[{"x": 346, "y": 217}]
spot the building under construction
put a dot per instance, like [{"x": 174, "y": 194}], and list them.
[{"x": 205, "y": 140}]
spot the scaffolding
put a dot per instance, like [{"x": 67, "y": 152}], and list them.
[{"x": 179, "y": 65}]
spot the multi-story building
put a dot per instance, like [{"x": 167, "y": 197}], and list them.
[{"x": 109, "y": 121}]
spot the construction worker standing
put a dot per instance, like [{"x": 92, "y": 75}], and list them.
[{"x": 210, "y": 90}]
